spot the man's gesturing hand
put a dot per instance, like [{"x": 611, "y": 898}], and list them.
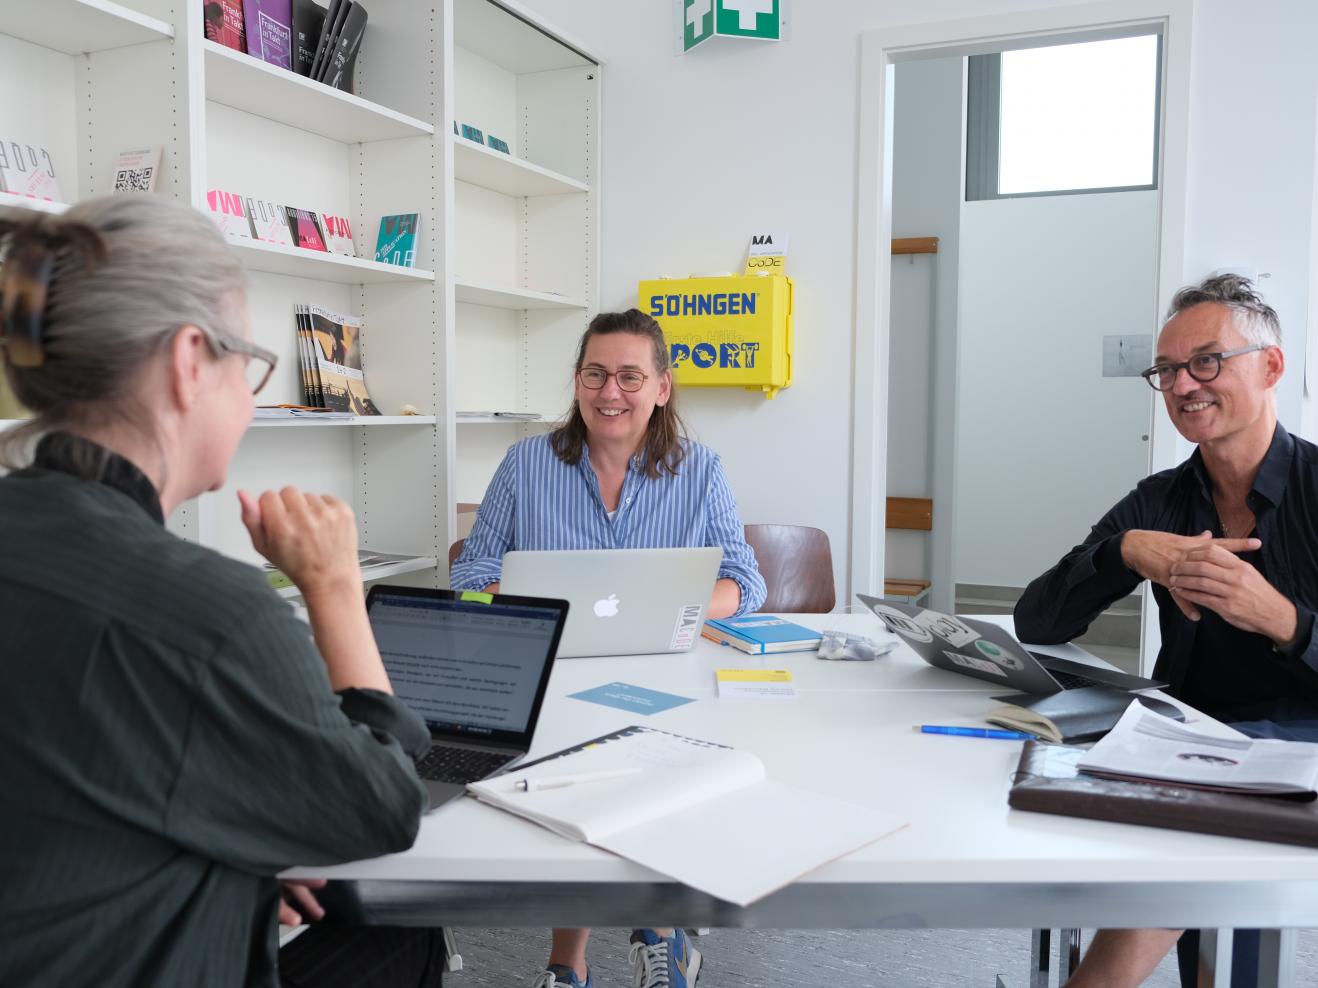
[
  {"x": 1212, "y": 575},
  {"x": 1153, "y": 555}
]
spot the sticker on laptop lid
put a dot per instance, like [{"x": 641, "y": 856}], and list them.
[
  {"x": 946, "y": 627},
  {"x": 687, "y": 627},
  {"x": 1001, "y": 656},
  {"x": 901, "y": 623},
  {"x": 970, "y": 662}
]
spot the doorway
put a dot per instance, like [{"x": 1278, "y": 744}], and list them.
[{"x": 1018, "y": 436}]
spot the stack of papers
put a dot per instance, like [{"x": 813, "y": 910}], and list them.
[
  {"x": 702, "y": 813},
  {"x": 1147, "y": 747}
]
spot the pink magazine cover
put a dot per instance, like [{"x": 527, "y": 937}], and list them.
[
  {"x": 304, "y": 225},
  {"x": 223, "y": 23},
  {"x": 229, "y": 213}
]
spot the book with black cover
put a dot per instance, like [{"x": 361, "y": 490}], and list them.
[
  {"x": 308, "y": 19},
  {"x": 1047, "y": 781},
  {"x": 331, "y": 39},
  {"x": 304, "y": 227},
  {"x": 344, "y": 57},
  {"x": 1071, "y": 715},
  {"x": 322, "y": 42}
]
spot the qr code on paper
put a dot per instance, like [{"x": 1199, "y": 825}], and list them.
[{"x": 134, "y": 179}]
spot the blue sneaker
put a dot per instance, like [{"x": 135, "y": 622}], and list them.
[
  {"x": 562, "y": 976},
  {"x": 663, "y": 962}
]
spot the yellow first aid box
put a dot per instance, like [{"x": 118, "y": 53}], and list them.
[{"x": 725, "y": 332}]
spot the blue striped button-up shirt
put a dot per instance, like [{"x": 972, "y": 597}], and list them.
[{"x": 536, "y": 501}]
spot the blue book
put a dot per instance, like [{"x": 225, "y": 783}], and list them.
[{"x": 759, "y": 634}]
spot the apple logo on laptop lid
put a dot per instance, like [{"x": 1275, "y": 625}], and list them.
[{"x": 608, "y": 607}]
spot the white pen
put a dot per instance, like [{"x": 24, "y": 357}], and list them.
[{"x": 559, "y": 781}]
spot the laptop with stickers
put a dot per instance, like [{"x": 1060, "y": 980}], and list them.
[
  {"x": 986, "y": 651},
  {"x": 622, "y": 601}
]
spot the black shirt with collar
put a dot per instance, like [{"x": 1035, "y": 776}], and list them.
[
  {"x": 1209, "y": 663},
  {"x": 170, "y": 742}
]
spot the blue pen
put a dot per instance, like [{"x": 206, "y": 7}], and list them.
[{"x": 975, "y": 732}]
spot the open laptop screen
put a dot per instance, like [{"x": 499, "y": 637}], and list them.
[{"x": 468, "y": 668}]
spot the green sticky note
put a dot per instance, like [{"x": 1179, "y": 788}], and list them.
[{"x": 479, "y": 596}]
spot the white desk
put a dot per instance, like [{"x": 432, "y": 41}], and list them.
[{"x": 965, "y": 861}]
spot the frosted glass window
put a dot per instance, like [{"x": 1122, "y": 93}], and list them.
[{"x": 1069, "y": 118}]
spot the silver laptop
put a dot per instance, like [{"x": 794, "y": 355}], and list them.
[
  {"x": 475, "y": 666},
  {"x": 986, "y": 651},
  {"x": 622, "y": 601}
]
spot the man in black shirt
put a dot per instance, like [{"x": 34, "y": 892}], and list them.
[{"x": 1229, "y": 540}]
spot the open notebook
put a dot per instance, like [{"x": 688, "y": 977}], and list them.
[{"x": 701, "y": 813}]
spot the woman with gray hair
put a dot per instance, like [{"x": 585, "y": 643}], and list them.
[{"x": 172, "y": 737}]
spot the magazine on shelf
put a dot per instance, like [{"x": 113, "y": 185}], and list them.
[
  {"x": 329, "y": 36},
  {"x": 269, "y": 224},
  {"x": 136, "y": 171},
  {"x": 308, "y": 19},
  {"x": 701, "y": 813},
  {"x": 223, "y": 20},
  {"x": 338, "y": 234},
  {"x": 28, "y": 170},
  {"x": 369, "y": 560},
  {"x": 336, "y": 339},
  {"x": 311, "y": 392},
  {"x": 269, "y": 412},
  {"x": 396, "y": 243},
  {"x": 229, "y": 213},
  {"x": 1147, "y": 747},
  {"x": 270, "y": 31},
  {"x": 343, "y": 57},
  {"x": 304, "y": 228}
]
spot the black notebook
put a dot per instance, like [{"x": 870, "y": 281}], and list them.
[{"x": 1072, "y": 715}]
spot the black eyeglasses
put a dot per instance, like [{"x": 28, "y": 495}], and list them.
[
  {"x": 1203, "y": 367},
  {"x": 595, "y": 378},
  {"x": 260, "y": 361}
]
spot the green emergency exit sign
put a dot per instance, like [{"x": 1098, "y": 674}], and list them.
[{"x": 705, "y": 19}]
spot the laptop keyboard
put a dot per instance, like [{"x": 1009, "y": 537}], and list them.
[
  {"x": 1070, "y": 681},
  {"x": 459, "y": 765}
]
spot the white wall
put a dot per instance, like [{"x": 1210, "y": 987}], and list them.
[
  {"x": 927, "y": 192},
  {"x": 700, "y": 150},
  {"x": 1046, "y": 444}
]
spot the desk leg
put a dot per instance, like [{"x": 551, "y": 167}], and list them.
[
  {"x": 1215, "y": 958},
  {"x": 1040, "y": 948},
  {"x": 1277, "y": 959},
  {"x": 1068, "y": 954}
]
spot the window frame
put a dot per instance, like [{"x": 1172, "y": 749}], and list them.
[{"x": 984, "y": 131}]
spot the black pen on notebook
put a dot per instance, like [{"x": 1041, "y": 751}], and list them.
[{"x": 560, "y": 781}]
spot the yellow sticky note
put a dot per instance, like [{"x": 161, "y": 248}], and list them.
[{"x": 479, "y": 596}]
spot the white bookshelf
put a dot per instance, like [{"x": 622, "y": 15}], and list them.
[
  {"x": 361, "y": 421},
  {"x": 301, "y": 262},
  {"x": 512, "y": 298},
  {"x": 476, "y": 164},
  {"x": 507, "y": 267},
  {"x": 249, "y": 84},
  {"x": 76, "y": 27},
  {"x": 19, "y": 206}
]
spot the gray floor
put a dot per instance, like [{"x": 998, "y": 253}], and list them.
[{"x": 822, "y": 958}]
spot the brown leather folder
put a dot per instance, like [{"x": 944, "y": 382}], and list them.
[{"x": 1046, "y": 781}]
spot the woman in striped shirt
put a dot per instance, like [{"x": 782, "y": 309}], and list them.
[{"x": 620, "y": 473}]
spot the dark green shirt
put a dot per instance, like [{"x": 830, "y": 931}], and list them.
[{"x": 168, "y": 742}]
